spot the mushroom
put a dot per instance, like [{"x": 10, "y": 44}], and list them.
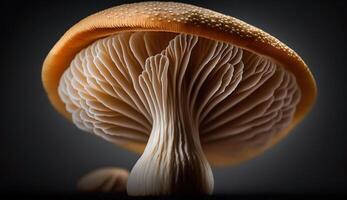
[
  {"x": 104, "y": 180},
  {"x": 185, "y": 86}
]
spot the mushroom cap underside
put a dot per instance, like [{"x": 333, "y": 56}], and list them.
[{"x": 178, "y": 18}]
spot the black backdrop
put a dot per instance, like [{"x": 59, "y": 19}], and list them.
[{"x": 42, "y": 152}]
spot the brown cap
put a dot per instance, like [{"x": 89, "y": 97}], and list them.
[{"x": 178, "y": 18}]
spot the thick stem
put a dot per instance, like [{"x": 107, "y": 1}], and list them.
[{"x": 173, "y": 161}]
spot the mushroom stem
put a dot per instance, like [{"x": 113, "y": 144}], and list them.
[{"x": 173, "y": 161}]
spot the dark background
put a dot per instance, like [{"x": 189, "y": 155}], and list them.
[{"x": 40, "y": 151}]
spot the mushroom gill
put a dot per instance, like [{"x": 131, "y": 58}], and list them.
[{"x": 178, "y": 93}]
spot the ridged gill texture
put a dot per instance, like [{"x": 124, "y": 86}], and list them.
[{"x": 177, "y": 93}]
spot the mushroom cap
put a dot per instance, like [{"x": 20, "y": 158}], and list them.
[
  {"x": 179, "y": 18},
  {"x": 108, "y": 179}
]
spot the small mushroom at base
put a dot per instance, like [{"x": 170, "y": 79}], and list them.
[{"x": 104, "y": 180}]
